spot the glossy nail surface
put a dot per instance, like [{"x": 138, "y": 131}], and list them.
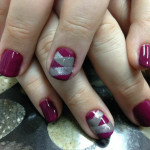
[
  {"x": 142, "y": 113},
  {"x": 99, "y": 124},
  {"x": 49, "y": 110},
  {"x": 62, "y": 64},
  {"x": 10, "y": 63},
  {"x": 144, "y": 58}
]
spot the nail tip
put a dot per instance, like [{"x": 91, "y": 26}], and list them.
[
  {"x": 105, "y": 135},
  {"x": 52, "y": 120},
  {"x": 8, "y": 75},
  {"x": 62, "y": 78}
]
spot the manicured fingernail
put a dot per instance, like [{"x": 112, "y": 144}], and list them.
[
  {"x": 144, "y": 59},
  {"x": 142, "y": 113},
  {"x": 99, "y": 124},
  {"x": 49, "y": 110},
  {"x": 10, "y": 63},
  {"x": 62, "y": 65}
]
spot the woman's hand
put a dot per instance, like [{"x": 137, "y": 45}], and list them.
[
  {"x": 109, "y": 57},
  {"x": 135, "y": 21},
  {"x": 25, "y": 21}
]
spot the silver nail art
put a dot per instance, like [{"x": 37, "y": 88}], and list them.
[
  {"x": 65, "y": 62},
  {"x": 94, "y": 123}
]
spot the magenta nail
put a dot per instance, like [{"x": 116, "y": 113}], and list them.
[
  {"x": 49, "y": 110},
  {"x": 142, "y": 113},
  {"x": 10, "y": 63},
  {"x": 62, "y": 65},
  {"x": 144, "y": 58},
  {"x": 99, "y": 124}
]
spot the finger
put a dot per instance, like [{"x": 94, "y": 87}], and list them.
[
  {"x": 109, "y": 57},
  {"x": 79, "y": 21},
  {"x": 84, "y": 103},
  {"x": 4, "y": 5},
  {"x": 24, "y": 23},
  {"x": 120, "y": 9},
  {"x": 40, "y": 92},
  {"x": 138, "y": 38}
]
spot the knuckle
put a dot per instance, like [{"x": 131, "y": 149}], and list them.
[
  {"x": 142, "y": 21},
  {"x": 19, "y": 30},
  {"x": 145, "y": 22},
  {"x": 142, "y": 18},
  {"x": 77, "y": 98},
  {"x": 76, "y": 27},
  {"x": 33, "y": 84},
  {"x": 128, "y": 88},
  {"x": 107, "y": 36},
  {"x": 44, "y": 44},
  {"x": 106, "y": 32}
]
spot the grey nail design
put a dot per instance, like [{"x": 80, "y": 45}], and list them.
[{"x": 99, "y": 124}]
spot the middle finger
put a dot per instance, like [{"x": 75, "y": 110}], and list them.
[{"x": 79, "y": 21}]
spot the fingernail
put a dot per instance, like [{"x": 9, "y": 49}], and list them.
[
  {"x": 62, "y": 64},
  {"x": 10, "y": 63},
  {"x": 144, "y": 59},
  {"x": 99, "y": 124},
  {"x": 142, "y": 113},
  {"x": 49, "y": 110}
]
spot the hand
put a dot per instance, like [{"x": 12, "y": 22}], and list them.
[
  {"x": 135, "y": 21},
  {"x": 127, "y": 85},
  {"x": 25, "y": 21},
  {"x": 108, "y": 44}
]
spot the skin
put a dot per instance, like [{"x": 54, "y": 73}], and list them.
[
  {"x": 108, "y": 43},
  {"x": 134, "y": 21},
  {"x": 125, "y": 89},
  {"x": 24, "y": 21}
]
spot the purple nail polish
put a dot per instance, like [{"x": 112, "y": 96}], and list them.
[
  {"x": 62, "y": 64},
  {"x": 142, "y": 113},
  {"x": 144, "y": 58},
  {"x": 10, "y": 63},
  {"x": 49, "y": 110},
  {"x": 99, "y": 124}
]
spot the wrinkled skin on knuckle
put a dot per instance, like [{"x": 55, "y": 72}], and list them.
[
  {"x": 77, "y": 97},
  {"x": 75, "y": 28},
  {"x": 20, "y": 30},
  {"x": 127, "y": 87},
  {"x": 108, "y": 35},
  {"x": 33, "y": 84}
]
